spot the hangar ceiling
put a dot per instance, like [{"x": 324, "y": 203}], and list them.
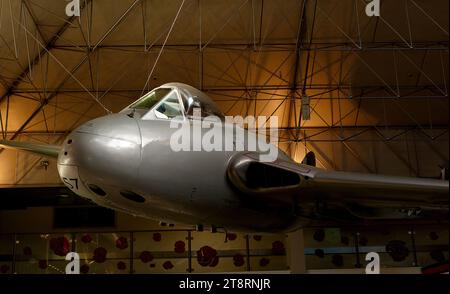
[{"x": 377, "y": 86}]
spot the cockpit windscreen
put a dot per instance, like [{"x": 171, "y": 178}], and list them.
[{"x": 149, "y": 100}]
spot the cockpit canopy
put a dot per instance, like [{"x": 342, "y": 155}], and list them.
[{"x": 173, "y": 100}]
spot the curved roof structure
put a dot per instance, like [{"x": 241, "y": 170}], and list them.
[{"x": 364, "y": 93}]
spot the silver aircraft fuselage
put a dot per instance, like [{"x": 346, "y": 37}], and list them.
[
  {"x": 125, "y": 162},
  {"x": 121, "y": 154}
]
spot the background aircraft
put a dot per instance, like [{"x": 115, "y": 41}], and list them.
[{"x": 124, "y": 161}]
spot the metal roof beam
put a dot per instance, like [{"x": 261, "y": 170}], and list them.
[{"x": 48, "y": 46}]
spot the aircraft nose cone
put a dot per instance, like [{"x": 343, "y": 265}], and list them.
[
  {"x": 108, "y": 147},
  {"x": 116, "y": 126}
]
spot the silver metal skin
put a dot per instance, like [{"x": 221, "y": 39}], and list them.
[{"x": 128, "y": 153}]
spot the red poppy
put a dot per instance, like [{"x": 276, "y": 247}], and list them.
[
  {"x": 84, "y": 269},
  {"x": 42, "y": 264},
  {"x": 86, "y": 238},
  {"x": 100, "y": 255},
  {"x": 278, "y": 248},
  {"x": 257, "y": 237},
  {"x": 60, "y": 246},
  {"x": 319, "y": 253},
  {"x": 397, "y": 249},
  {"x": 146, "y": 256},
  {"x": 180, "y": 247},
  {"x": 121, "y": 265},
  {"x": 264, "y": 261},
  {"x": 231, "y": 236},
  {"x": 337, "y": 260},
  {"x": 167, "y": 265},
  {"x": 238, "y": 260},
  {"x": 207, "y": 256},
  {"x": 156, "y": 237},
  {"x": 122, "y": 243}
]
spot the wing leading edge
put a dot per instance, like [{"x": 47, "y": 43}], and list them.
[{"x": 42, "y": 149}]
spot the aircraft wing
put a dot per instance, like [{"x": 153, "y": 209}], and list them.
[
  {"x": 42, "y": 149},
  {"x": 362, "y": 194}
]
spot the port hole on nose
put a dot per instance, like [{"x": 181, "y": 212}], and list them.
[
  {"x": 132, "y": 196},
  {"x": 65, "y": 153},
  {"x": 69, "y": 142},
  {"x": 97, "y": 190}
]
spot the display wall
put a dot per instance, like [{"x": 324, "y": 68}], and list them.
[{"x": 181, "y": 251}]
